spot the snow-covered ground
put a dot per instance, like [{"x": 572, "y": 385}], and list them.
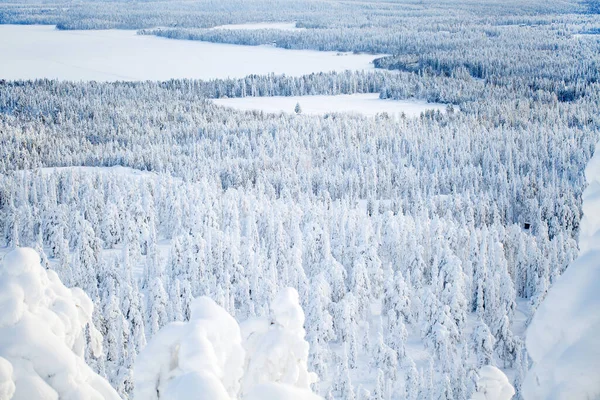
[
  {"x": 563, "y": 338},
  {"x": 367, "y": 104},
  {"x": 595, "y": 36},
  {"x": 283, "y": 26},
  {"x": 41, "y": 51},
  {"x": 117, "y": 170}
]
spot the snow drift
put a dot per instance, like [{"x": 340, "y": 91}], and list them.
[
  {"x": 563, "y": 337},
  {"x": 205, "y": 358},
  {"x": 43, "y": 328}
]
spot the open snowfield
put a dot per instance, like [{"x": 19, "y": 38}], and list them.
[
  {"x": 41, "y": 51},
  {"x": 284, "y": 26},
  {"x": 591, "y": 36},
  {"x": 367, "y": 104},
  {"x": 117, "y": 170}
]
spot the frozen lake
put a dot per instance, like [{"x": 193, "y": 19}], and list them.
[
  {"x": 366, "y": 104},
  {"x": 41, "y": 51}
]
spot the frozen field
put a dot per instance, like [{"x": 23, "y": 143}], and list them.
[
  {"x": 41, "y": 51},
  {"x": 284, "y": 26},
  {"x": 367, "y": 104}
]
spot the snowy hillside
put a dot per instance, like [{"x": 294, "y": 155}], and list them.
[{"x": 563, "y": 338}]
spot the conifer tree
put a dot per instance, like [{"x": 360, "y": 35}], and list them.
[{"x": 483, "y": 344}]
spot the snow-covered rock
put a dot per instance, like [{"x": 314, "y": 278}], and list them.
[
  {"x": 42, "y": 334},
  {"x": 563, "y": 338}
]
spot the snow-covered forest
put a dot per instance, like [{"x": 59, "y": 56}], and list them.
[{"x": 357, "y": 257}]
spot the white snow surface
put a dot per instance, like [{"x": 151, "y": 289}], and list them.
[
  {"x": 42, "y": 335},
  {"x": 276, "y": 351},
  {"x": 278, "y": 391},
  {"x": 593, "y": 36},
  {"x": 41, "y": 51},
  {"x": 198, "y": 359},
  {"x": 206, "y": 358},
  {"x": 364, "y": 103},
  {"x": 563, "y": 338},
  {"x": 282, "y": 26},
  {"x": 493, "y": 385},
  {"x": 7, "y": 385}
]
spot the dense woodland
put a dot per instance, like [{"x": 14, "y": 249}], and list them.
[{"x": 413, "y": 243}]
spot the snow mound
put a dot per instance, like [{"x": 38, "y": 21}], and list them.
[
  {"x": 199, "y": 359},
  {"x": 589, "y": 233},
  {"x": 205, "y": 357},
  {"x": 277, "y": 351},
  {"x": 42, "y": 334},
  {"x": 7, "y": 385},
  {"x": 563, "y": 337},
  {"x": 278, "y": 391},
  {"x": 493, "y": 385},
  {"x": 287, "y": 311}
]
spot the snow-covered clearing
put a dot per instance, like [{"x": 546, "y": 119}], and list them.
[
  {"x": 41, "y": 51},
  {"x": 283, "y": 26},
  {"x": 586, "y": 36},
  {"x": 117, "y": 170},
  {"x": 563, "y": 337},
  {"x": 367, "y": 104}
]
